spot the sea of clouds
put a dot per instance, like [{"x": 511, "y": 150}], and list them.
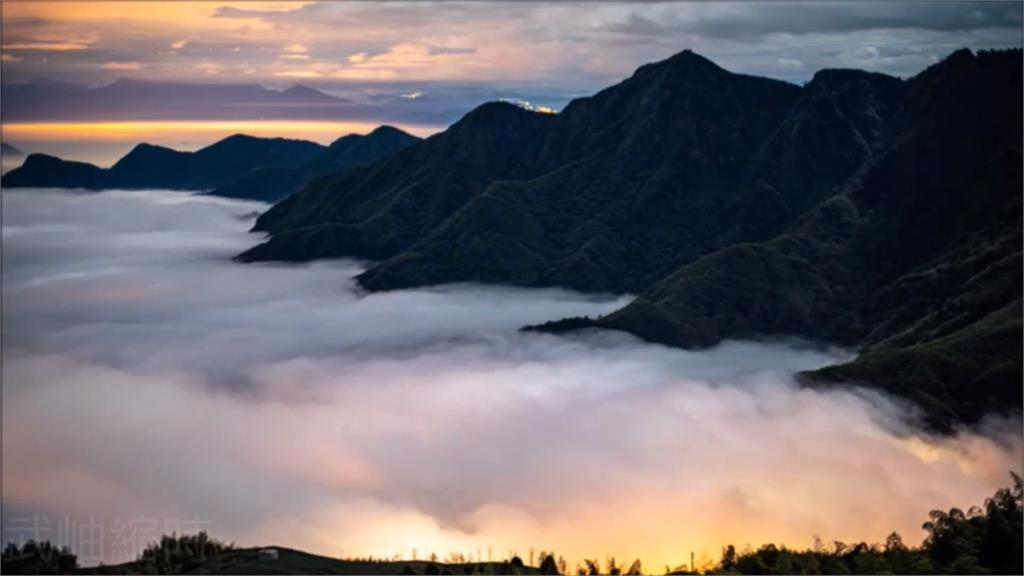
[{"x": 149, "y": 379}]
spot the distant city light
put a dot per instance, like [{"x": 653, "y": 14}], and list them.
[{"x": 529, "y": 106}]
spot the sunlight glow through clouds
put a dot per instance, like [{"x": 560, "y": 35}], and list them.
[
  {"x": 581, "y": 45},
  {"x": 47, "y": 46}
]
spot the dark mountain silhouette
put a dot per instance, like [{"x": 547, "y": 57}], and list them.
[
  {"x": 272, "y": 183},
  {"x": 495, "y": 181},
  {"x": 149, "y": 166},
  {"x": 916, "y": 260},
  {"x": 237, "y": 167},
  {"x": 48, "y": 171},
  {"x": 859, "y": 209}
]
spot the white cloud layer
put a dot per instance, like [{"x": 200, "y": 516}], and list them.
[{"x": 146, "y": 375}]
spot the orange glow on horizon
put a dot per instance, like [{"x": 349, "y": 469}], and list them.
[{"x": 193, "y": 130}]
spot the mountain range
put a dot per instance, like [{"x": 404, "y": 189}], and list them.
[
  {"x": 238, "y": 166},
  {"x": 274, "y": 182},
  {"x": 862, "y": 210},
  {"x": 133, "y": 99}
]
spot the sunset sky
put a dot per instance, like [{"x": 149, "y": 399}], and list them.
[
  {"x": 573, "y": 47},
  {"x": 421, "y": 66}
]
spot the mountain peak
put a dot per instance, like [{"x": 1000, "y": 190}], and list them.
[
  {"x": 685, "y": 64},
  {"x": 301, "y": 91},
  {"x": 961, "y": 54},
  {"x": 499, "y": 117},
  {"x": 10, "y": 151},
  {"x": 385, "y": 129},
  {"x": 687, "y": 59},
  {"x": 147, "y": 147},
  {"x": 497, "y": 109},
  {"x": 238, "y": 137}
]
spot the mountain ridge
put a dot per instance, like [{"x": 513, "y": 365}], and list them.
[
  {"x": 273, "y": 183},
  {"x": 734, "y": 206},
  {"x": 238, "y": 166},
  {"x": 143, "y": 99}
]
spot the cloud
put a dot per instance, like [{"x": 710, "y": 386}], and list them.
[
  {"x": 235, "y": 12},
  {"x": 208, "y": 67},
  {"x": 179, "y": 44},
  {"x": 121, "y": 66},
  {"x": 438, "y": 50},
  {"x": 298, "y": 74},
  {"x": 147, "y": 375},
  {"x": 790, "y": 63},
  {"x": 576, "y": 48},
  {"x": 46, "y": 46}
]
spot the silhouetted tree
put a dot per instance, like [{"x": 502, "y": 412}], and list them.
[
  {"x": 978, "y": 541},
  {"x": 728, "y": 563},
  {"x": 548, "y": 565},
  {"x": 37, "y": 558}
]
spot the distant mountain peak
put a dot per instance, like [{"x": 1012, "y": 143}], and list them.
[
  {"x": 386, "y": 129},
  {"x": 304, "y": 92},
  {"x": 146, "y": 147},
  {"x": 497, "y": 109},
  {"x": 238, "y": 137},
  {"x": 302, "y": 89},
  {"x": 10, "y": 151}
]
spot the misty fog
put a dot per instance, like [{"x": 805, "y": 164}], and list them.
[{"x": 146, "y": 375}]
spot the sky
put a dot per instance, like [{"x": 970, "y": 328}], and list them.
[
  {"x": 151, "y": 384},
  {"x": 421, "y": 65},
  {"x": 563, "y": 48}
]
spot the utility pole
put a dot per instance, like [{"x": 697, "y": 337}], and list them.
[{"x": 693, "y": 568}]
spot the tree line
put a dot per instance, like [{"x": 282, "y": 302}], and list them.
[{"x": 983, "y": 539}]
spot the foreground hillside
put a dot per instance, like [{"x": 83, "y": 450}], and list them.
[{"x": 860, "y": 210}]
